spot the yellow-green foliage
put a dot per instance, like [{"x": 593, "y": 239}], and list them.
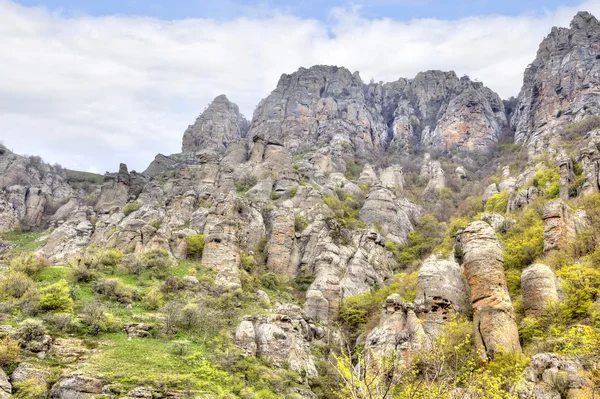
[
  {"x": 497, "y": 203},
  {"x": 29, "y": 264},
  {"x": 582, "y": 287},
  {"x": 346, "y": 211},
  {"x": 56, "y": 298},
  {"x": 548, "y": 181},
  {"x": 355, "y": 311},
  {"x": 29, "y": 389},
  {"x": 300, "y": 223},
  {"x": 353, "y": 169},
  {"x": 453, "y": 228},
  {"x": 524, "y": 242},
  {"x": 131, "y": 207},
  {"x": 195, "y": 246},
  {"x": 9, "y": 351},
  {"x": 421, "y": 241}
]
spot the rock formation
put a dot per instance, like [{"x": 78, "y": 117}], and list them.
[
  {"x": 441, "y": 291},
  {"x": 559, "y": 225},
  {"x": 560, "y": 86},
  {"x": 220, "y": 124},
  {"x": 493, "y": 314},
  {"x": 539, "y": 286}
]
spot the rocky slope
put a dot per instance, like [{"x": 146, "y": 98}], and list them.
[{"x": 281, "y": 239}]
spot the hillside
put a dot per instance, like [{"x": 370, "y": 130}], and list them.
[{"x": 420, "y": 238}]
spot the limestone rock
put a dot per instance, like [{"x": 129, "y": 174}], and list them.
[
  {"x": 396, "y": 216},
  {"x": 399, "y": 332},
  {"x": 559, "y": 225},
  {"x": 392, "y": 177},
  {"x": 5, "y": 386},
  {"x": 489, "y": 192},
  {"x": 437, "y": 179},
  {"x": 218, "y": 125},
  {"x": 282, "y": 248},
  {"x": 552, "y": 376},
  {"x": 499, "y": 223},
  {"x": 25, "y": 372},
  {"x": 493, "y": 314},
  {"x": 560, "y": 85},
  {"x": 539, "y": 287},
  {"x": 76, "y": 386},
  {"x": 441, "y": 290},
  {"x": 368, "y": 176}
]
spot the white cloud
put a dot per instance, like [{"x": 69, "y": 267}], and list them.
[{"x": 92, "y": 92}]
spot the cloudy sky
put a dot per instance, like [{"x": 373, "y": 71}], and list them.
[{"x": 89, "y": 84}]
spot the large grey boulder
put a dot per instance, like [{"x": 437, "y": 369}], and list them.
[
  {"x": 539, "y": 286},
  {"x": 76, "y": 386}
]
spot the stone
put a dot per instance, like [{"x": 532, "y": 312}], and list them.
[
  {"x": 392, "y": 177},
  {"x": 217, "y": 126},
  {"x": 518, "y": 199},
  {"x": 499, "y": 223},
  {"x": 567, "y": 174},
  {"x": 25, "y": 372},
  {"x": 559, "y": 225},
  {"x": 560, "y": 85},
  {"x": 437, "y": 178},
  {"x": 76, "y": 386},
  {"x": 441, "y": 290},
  {"x": 489, "y": 192},
  {"x": 5, "y": 386},
  {"x": 283, "y": 257},
  {"x": 539, "y": 286},
  {"x": 552, "y": 376},
  {"x": 493, "y": 315}
]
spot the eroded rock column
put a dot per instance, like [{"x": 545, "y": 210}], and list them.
[
  {"x": 539, "y": 287},
  {"x": 493, "y": 314}
]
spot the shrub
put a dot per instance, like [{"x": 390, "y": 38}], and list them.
[
  {"x": 154, "y": 223},
  {"x": 274, "y": 196},
  {"x": 300, "y": 223},
  {"x": 153, "y": 299},
  {"x": 30, "y": 330},
  {"x": 29, "y": 389},
  {"x": 271, "y": 281},
  {"x": 576, "y": 129},
  {"x": 195, "y": 246},
  {"x": 131, "y": 207},
  {"x": 248, "y": 262},
  {"x": 29, "y": 264},
  {"x": 353, "y": 169},
  {"x": 345, "y": 209},
  {"x": 158, "y": 260},
  {"x": 548, "y": 181},
  {"x": 391, "y": 246},
  {"x": 245, "y": 183},
  {"x": 582, "y": 287},
  {"x": 421, "y": 241},
  {"x": 113, "y": 289},
  {"x": 497, "y": 203},
  {"x": 9, "y": 352},
  {"x": 293, "y": 190},
  {"x": 110, "y": 258},
  {"x": 190, "y": 317},
  {"x": 94, "y": 315},
  {"x": 56, "y": 298},
  {"x": 15, "y": 285}
]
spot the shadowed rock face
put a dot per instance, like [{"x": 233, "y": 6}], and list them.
[
  {"x": 562, "y": 84},
  {"x": 493, "y": 314},
  {"x": 539, "y": 287},
  {"x": 216, "y": 127}
]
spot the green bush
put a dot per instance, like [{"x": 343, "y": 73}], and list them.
[
  {"x": 158, "y": 261},
  {"x": 29, "y": 389},
  {"x": 56, "y": 298},
  {"x": 524, "y": 242},
  {"x": 497, "y": 203},
  {"x": 391, "y": 246},
  {"x": 195, "y": 246},
  {"x": 113, "y": 289},
  {"x": 293, "y": 190},
  {"x": 300, "y": 223},
  {"x": 582, "y": 287},
  {"x": 421, "y": 241},
  {"x": 548, "y": 181},
  {"x": 274, "y": 196},
  {"x": 29, "y": 264},
  {"x": 245, "y": 183},
  {"x": 29, "y": 331},
  {"x": 9, "y": 352},
  {"x": 131, "y": 207},
  {"x": 14, "y": 285},
  {"x": 346, "y": 210},
  {"x": 353, "y": 169}
]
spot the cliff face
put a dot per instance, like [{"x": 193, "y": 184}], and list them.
[
  {"x": 330, "y": 105},
  {"x": 562, "y": 84}
]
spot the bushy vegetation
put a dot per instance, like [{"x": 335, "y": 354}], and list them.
[
  {"x": 195, "y": 246},
  {"x": 346, "y": 209},
  {"x": 497, "y": 203},
  {"x": 131, "y": 207}
]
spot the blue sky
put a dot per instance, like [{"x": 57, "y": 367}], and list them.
[
  {"x": 91, "y": 84},
  {"x": 314, "y": 9}
]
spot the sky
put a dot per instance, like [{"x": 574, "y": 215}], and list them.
[{"x": 90, "y": 84}]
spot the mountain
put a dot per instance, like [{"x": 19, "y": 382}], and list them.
[{"x": 353, "y": 239}]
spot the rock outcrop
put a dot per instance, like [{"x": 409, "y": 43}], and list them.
[
  {"x": 399, "y": 332},
  {"x": 539, "y": 286},
  {"x": 220, "y": 124},
  {"x": 493, "y": 314},
  {"x": 559, "y": 225},
  {"x": 553, "y": 376},
  {"x": 282, "y": 338},
  {"x": 561, "y": 85},
  {"x": 441, "y": 291},
  {"x": 76, "y": 386},
  {"x": 5, "y": 386}
]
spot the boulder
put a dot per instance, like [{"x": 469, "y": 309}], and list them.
[
  {"x": 76, "y": 386},
  {"x": 539, "y": 286}
]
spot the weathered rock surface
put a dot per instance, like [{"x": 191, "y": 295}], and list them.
[
  {"x": 5, "y": 386},
  {"x": 561, "y": 84},
  {"x": 216, "y": 127},
  {"x": 499, "y": 223},
  {"x": 493, "y": 314},
  {"x": 553, "y": 377},
  {"x": 281, "y": 338},
  {"x": 76, "y": 386},
  {"x": 559, "y": 225},
  {"x": 441, "y": 290},
  {"x": 399, "y": 332},
  {"x": 539, "y": 286}
]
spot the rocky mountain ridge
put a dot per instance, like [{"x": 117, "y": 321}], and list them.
[{"x": 329, "y": 194}]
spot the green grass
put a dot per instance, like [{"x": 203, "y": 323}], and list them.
[
  {"x": 142, "y": 361},
  {"x": 24, "y": 242},
  {"x": 53, "y": 274},
  {"x": 79, "y": 176}
]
